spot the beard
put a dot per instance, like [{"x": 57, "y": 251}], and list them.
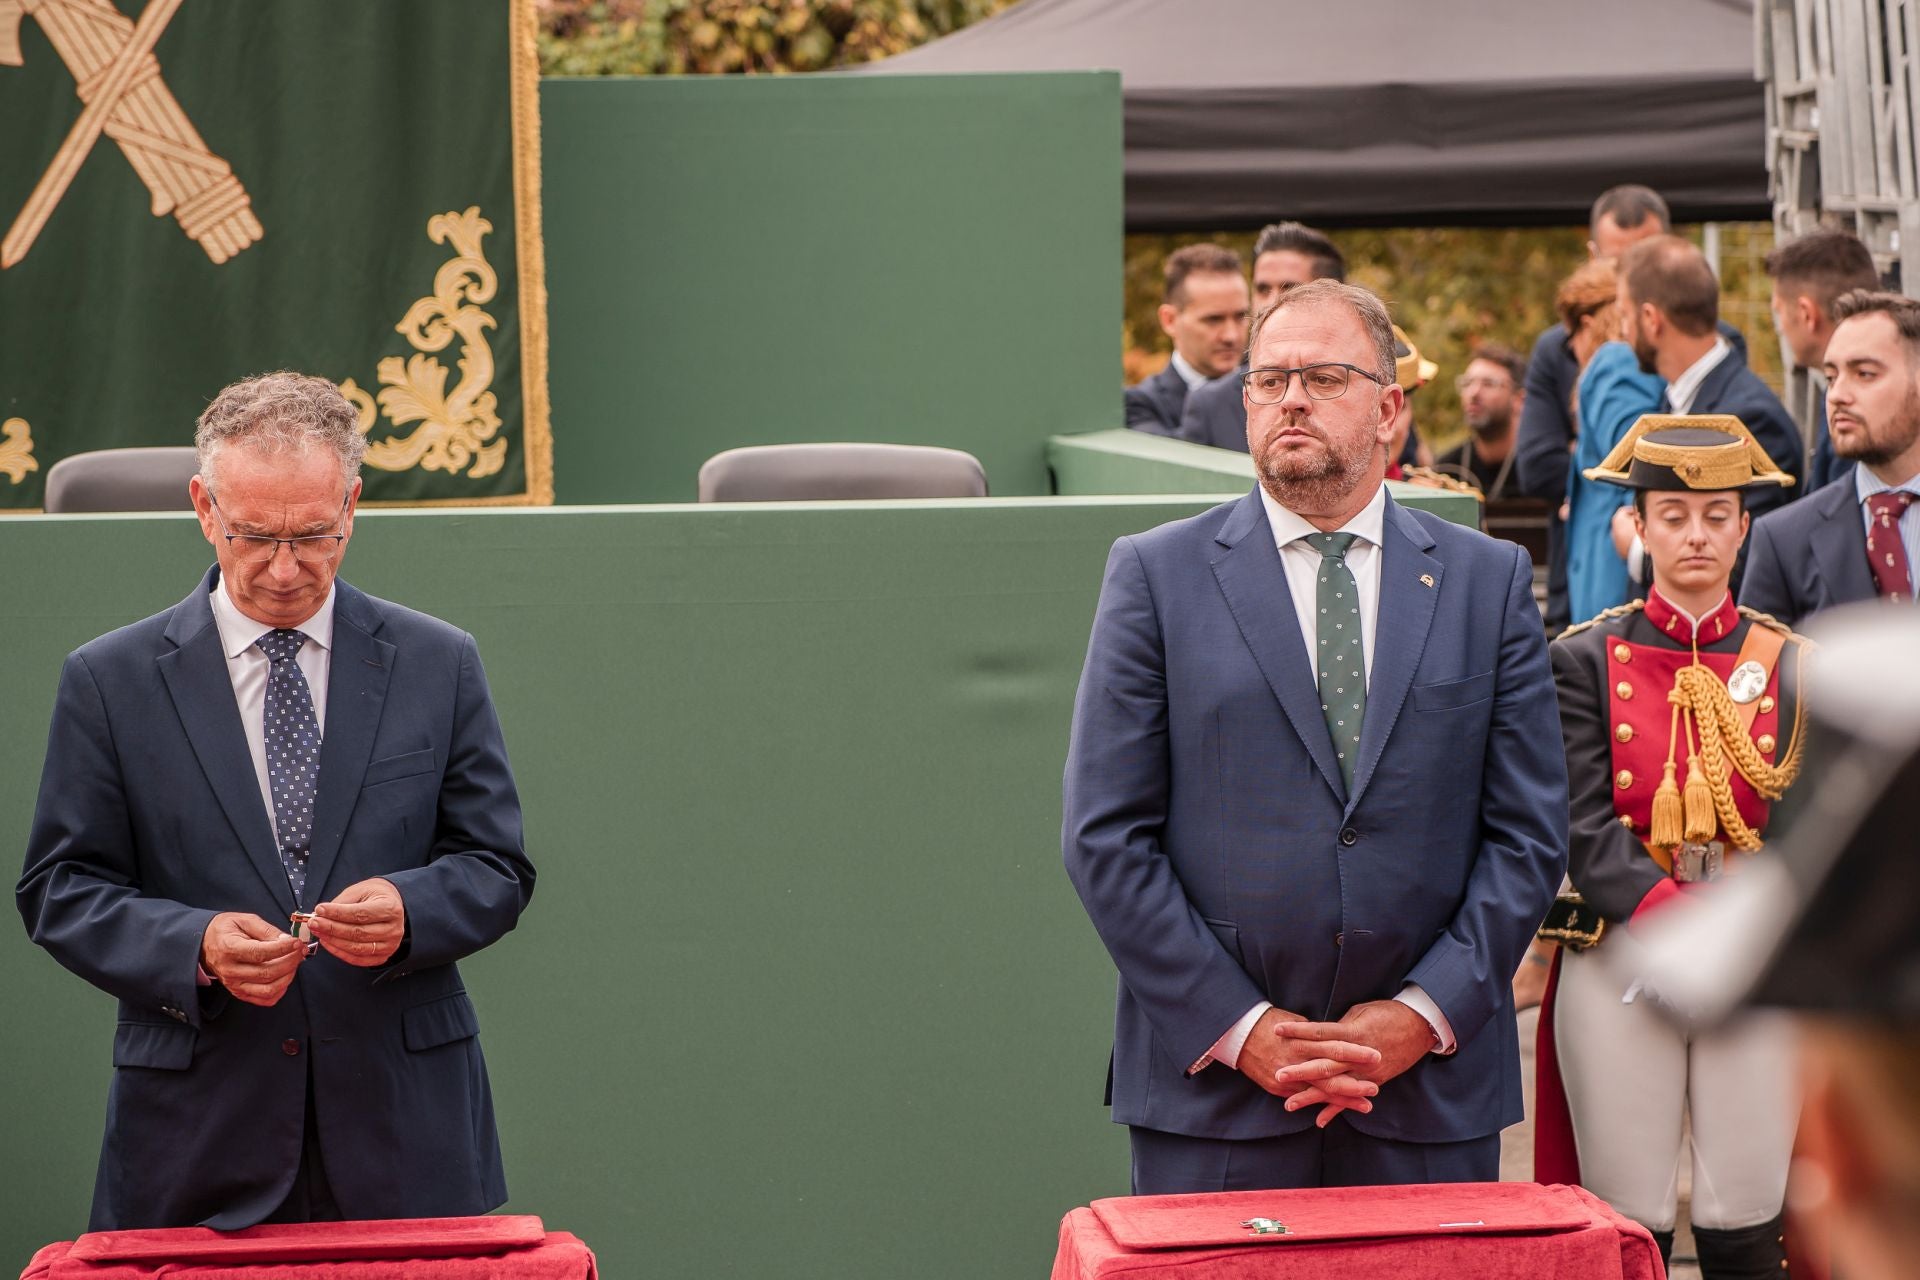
[
  {"x": 1878, "y": 448},
  {"x": 1491, "y": 425},
  {"x": 1316, "y": 479},
  {"x": 1644, "y": 352}
]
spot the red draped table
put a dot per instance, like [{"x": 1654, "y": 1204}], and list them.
[
  {"x": 507, "y": 1247},
  {"x": 1487, "y": 1230}
]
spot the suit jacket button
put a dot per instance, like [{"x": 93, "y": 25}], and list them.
[
  {"x": 1349, "y": 836},
  {"x": 290, "y": 1047}
]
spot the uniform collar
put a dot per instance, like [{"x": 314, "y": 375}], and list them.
[{"x": 1677, "y": 624}]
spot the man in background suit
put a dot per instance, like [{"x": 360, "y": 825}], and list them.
[
  {"x": 1669, "y": 314},
  {"x": 1621, "y": 217},
  {"x": 1858, "y": 538},
  {"x": 1286, "y": 254},
  {"x": 1809, "y": 274},
  {"x": 276, "y": 743},
  {"x": 1314, "y": 802},
  {"x": 1204, "y": 312}
]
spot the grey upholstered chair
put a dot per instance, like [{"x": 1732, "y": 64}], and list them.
[
  {"x": 152, "y": 479},
  {"x": 823, "y": 472}
]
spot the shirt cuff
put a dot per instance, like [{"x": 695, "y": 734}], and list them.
[
  {"x": 1227, "y": 1048},
  {"x": 1415, "y": 998}
]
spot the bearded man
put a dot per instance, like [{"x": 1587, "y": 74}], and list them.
[
  {"x": 1314, "y": 801},
  {"x": 1858, "y": 538}
]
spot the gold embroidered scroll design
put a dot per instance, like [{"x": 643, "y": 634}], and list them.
[
  {"x": 457, "y": 428},
  {"x": 118, "y": 79},
  {"x": 16, "y": 450}
]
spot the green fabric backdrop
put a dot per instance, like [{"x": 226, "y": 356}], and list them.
[{"x": 350, "y": 124}]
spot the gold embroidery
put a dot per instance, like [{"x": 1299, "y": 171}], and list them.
[
  {"x": 457, "y": 428},
  {"x": 116, "y": 76},
  {"x": 16, "y": 450}
]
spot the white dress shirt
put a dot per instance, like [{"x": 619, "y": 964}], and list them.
[
  {"x": 247, "y": 667},
  {"x": 1683, "y": 389},
  {"x": 1188, "y": 374},
  {"x": 1301, "y": 564}
]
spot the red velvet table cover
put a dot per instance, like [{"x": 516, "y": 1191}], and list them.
[
  {"x": 1530, "y": 1232},
  {"x": 507, "y": 1247}
]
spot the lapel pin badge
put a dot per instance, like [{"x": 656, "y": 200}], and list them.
[{"x": 1426, "y": 579}]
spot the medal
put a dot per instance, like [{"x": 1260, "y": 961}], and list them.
[{"x": 1747, "y": 682}]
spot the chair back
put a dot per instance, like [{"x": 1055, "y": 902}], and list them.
[
  {"x": 828, "y": 472},
  {"x": 146, "y": 479}
]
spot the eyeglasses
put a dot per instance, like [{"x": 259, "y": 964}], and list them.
[
  {"x": 1322, "y": 381},
  {"x": 1464, "y": 383},
  {"x": 258, "y": 548}
]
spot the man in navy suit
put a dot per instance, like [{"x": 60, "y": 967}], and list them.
[
  {"x": 1669, "y": 314},
  {"x": 1204, "y": 312},
  {"x": 1859, "y": 537},
  {"x": 1285, "y": 255},
  {"x": 276, "y": 743},
  {"x": 1314, "y": 801},
  {"x": 1809, "y": 274}
]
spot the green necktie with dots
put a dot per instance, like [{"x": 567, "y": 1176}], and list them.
[{"x": 1339, "y": 660}]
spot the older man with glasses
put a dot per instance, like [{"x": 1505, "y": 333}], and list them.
[
  {"x": 1315, "y": 803},
  {"x": 261, "y": 810}
]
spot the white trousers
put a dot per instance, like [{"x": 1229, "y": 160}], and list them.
[{"x": 1632, "y": 1077}]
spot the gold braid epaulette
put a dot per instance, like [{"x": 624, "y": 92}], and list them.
[
  {"x": 1774, "y": 624},
  {"x": 1618, "y": 611}
]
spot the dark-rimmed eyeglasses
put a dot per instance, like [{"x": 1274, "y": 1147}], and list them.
[
  {"x": 1322, "y": 381},
  {"x": 258, "y": 548}
]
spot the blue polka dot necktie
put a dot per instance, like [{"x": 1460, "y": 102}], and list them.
[
  {"x": 292, "y": 738},
  {"x": 1339, "y": 658}
]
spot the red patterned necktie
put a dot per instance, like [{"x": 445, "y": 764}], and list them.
[{"x": 1885, "y": 551}]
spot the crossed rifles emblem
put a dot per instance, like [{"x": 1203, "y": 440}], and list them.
[{"x": 119, "y": 82}]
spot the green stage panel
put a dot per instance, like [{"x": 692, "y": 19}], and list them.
[
  {"x": 754, "y": 260},
  {"x": 803, "y": 990},
  {"x": 1119, "y": 460}
]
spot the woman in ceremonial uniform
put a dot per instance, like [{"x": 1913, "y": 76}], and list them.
[{"x": 1678, "y": 738}]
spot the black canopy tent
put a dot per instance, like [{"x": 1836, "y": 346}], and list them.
[{"x": 1402, "y": 112}]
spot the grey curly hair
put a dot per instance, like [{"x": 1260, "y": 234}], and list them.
[{"x": 281, "y": 413}]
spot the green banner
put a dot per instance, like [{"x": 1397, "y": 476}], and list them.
[{"x": 192, "y": 191}]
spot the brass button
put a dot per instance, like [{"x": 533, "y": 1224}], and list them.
[
  {"x": 1623, "y": 731},
  {"x": 1623, "y": 779},
  {"x": 290, "y": 1047},
  {"x": 1621, "y": 653},
  {"x": 1766, "y": 704},
  {"x": 1764, "y": 742},
  {"x": 1623, "y": 691},
  {"x": 1626, "y": 820}
]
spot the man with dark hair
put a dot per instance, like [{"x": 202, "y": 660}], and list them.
[
  {"x": 1307, "y": 782},
  {"x": 1285, "y": 255},
  {"x": 1204, "y": 312},
  {"x": 1491, "y": 392},
  {"x": 1619, "y": 218},
  {"x": 1857, "y": 539},
  {"x": 1809, "y": 273},
  {"x": 1669, "y": 309}
]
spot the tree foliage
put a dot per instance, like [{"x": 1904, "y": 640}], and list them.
[{"x": 674, "y": 37}]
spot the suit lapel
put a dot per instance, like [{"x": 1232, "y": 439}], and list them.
[
  {"x": 196, "y": 677},
  {"x": 1410, "y": 585},
  {"x": 1254, "y": 583},
  {"x": 357, "y": 678},
  {"x": 1713, "y": 388},
  {"x": 1840, "y": 544}
]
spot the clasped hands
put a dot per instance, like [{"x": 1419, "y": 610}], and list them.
[
  {"x": 256, "y": 960},
  {"x": 1336, "y": 1066}
]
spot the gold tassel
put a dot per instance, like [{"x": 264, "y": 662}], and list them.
[
  {"x": 1665, "y": 830},
  {"x": 1702, "y": 820}
]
